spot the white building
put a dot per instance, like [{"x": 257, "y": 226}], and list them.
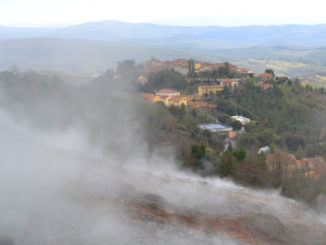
[
  {"x": 168, "y": 92},
  {"x": 264, "y": 150},
  {"x": 182, "y": 70},
  {"x": 241, "y": 119}
]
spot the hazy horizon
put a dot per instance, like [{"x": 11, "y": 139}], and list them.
[
  {"x": 172, "y": 22},
  {"x": 36, "y": 13}
]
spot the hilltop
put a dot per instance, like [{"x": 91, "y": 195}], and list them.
[{"x": 283, "y": 35}]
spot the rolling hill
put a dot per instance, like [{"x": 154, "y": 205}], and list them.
[
  {"x": 291, "y": 50},
  {"x": 299, "y": 35}
]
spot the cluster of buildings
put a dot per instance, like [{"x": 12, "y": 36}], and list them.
[
  {"x": 202, "y": 67},
  {"x": 185, "y": 66},
  {"x": 192, "y": 66},
  {"x": 182, "y": 66},
  {"x": 172, "y": 97},
  {"x": 288, "y": 165},
  {"x": 219, "y": 127},
  {"x": 213, "y": 89}
]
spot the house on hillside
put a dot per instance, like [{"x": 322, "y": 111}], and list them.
[
  {"x": 230, "y": 82},
  {"x": 266, "y": 85},
  {"x": 312, "y": 167},
  {"x": 163, "y": 99},
  {"x": 281, "y": 161},
  {"x": 244, "y": 71},
  {"x": 168, "y": 92},
  {"x": 175, "y": 101},
  {"x": 264, "y": 150},
  {"x": 200, "y": 105},
  {"x": 207, "y": 89},
  {"x": 180, "y": 65},
  {"x": 285, "y": 163},
  {"x": 154, "y": 65},
  {"x": 142, "y": 80},
  {"x": 148, "y": 96},
  {"x": 241, "y": 119},
  {"x": 265, "y": 76},
  {"x": 209, "y": 67}
]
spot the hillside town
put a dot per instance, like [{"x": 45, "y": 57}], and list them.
[
  {"x": 210, "y": 80},
  {"x": 198, "y": 72},
  {"x": 205, "y": 76}
]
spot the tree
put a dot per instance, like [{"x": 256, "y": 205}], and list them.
[
  {"x": 230, "y": 149},
  {"x": 272, "y": 148},
  {"x": 240, "y": 154},
  {"x": 198, "y": 151},
  {"x": 14, "y": 69},
  {"x": 270, "y": 71},
  {"x": 165, "y": 79},
  {"x": 236, "y": 125},
  {"x": 178, "y": 111},
  {"x": 125, "y": 66},
  {"x": 300, "y": 154},
  {"x": 227, "y": 68},
  {"x": 297, "y": 88},
  {"x": 226, "y": 92},
  {"x": 285, "y": 149},
  {"x": 227, "y": 166}
]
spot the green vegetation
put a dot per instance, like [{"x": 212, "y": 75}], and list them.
[
  {"x": 164, "y": 79},
  {"x": 239, "y": 155},
  {"x": 286, "y": 116}
]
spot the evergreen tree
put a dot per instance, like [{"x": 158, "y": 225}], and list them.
[
  {"x": 300, "y": 154},
  {"x": 227, "y": 166}
]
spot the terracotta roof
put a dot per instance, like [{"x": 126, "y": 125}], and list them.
[
  {"x": 165, "y": 90},
  {"x": 232, "y": 134},
  {"x": 316, "y": 161},
  {"x": 179, "y": 60},
  {"x": 197, "y": 104},
  {"x": 283, "y": 157},
  {"x": 244, "y": 69},
  {"x": 176, "y": 99},
  {"x": 147, "y": 95},
  {"x": 266, "y": 85},
  {"x": 320, "y": 171},
  {"x": 211, "y": 86},
  {"x": 266, "y": 75}
]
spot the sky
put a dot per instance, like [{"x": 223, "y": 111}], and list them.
[{"x": 45, "y": 13}]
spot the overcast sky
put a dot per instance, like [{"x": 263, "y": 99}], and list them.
[{"x": 175, "y": 12}]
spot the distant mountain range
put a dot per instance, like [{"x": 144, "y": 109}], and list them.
[
  {"x": 93, "y": 47},
  {"x": 283, "y": 35}
]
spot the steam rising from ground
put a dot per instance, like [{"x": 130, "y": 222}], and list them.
[
  {"x": 67, "y": 184},
  {"x": 55, "y": 190}
]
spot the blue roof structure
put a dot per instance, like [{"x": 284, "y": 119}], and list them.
[{"x": 215, "y": 127}]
